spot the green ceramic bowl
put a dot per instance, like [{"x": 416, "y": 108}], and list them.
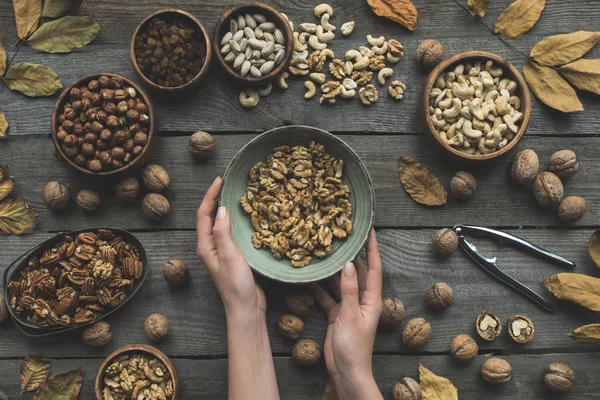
[{"x": 361, "y": 197}]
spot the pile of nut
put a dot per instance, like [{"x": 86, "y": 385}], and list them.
[
  {"x": 170, "y": 53},
  {"x": 77, "y": 280},
  {"x": 137, "y": 376},
  {"x": 474, "y": 107},
  {"x": 298, "y": 203},
  {"x": 104, "y": 125}
]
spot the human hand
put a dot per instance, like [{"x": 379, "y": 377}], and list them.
[{"x": 352, "y": 324}]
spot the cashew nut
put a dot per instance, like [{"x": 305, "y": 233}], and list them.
[
  {"x": 313, "y": 41},
  {"x": 437, "y": 119},
  {"x": 249, "y": 98},
  {"x": 325, "y": 23},
  {"x": 515, "y": 102},
  {"x": 508, "y": 120},
  {"x": 303, "y": 37},
  {"x": 449, "y": 79},
  {"x": 347, "y": 93},
  {"x": 440, "y": 82},
  {"x": 435, "y": 92},
  {"x": 475, "y": 109},
  {"x": 459, "y": 70},
  {"x": 461, "y": 89},
  {"x": 361, "y": 63},
  {"x": 507, "y": 84},
  {"x": 303, "y": 54},
  {"x": 375, "y": 41},
  {"x": 465, "y": 112},
  {"x": 318, "y": 77},
  {"x": 308, "y": 27},
  {"x": 349, "y": 67},
  {"x": 349, "y": 84},
  {"x": 393, "y": 59},
  {"x": 324, "y": 37},
  {"x": 265, "y": 90},
  {"x": 347, "y": 28},
  {"x": 444, "y": 100},
  {"x": 380, "y": 50},
  {"x": 311, "y": 89},
  {"x": 454, "y": 111},
  {"x": 496, "y": 72},
  {"x": 486, "y": 79},
  {"x": 323, "y": 9},
  {"x": 478, "y": 85},
  {"x": 327, "y": 53},
  {"x": 472, "y": 134},
  {"x": 476, "y": 69},
  {"x": 281, "y": 80},
  {"x": 383, "y": 74},
  {"x": 491, "y": 95},
  {"x": 298, "y": 46}
]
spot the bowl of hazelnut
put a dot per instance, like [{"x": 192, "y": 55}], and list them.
[
  {"x": 170, "y": 51},
  {"x": 103, "y": 125},
  {"x": 475, "y": 105}
]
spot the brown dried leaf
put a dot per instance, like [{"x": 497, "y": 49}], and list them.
[
  {"x": 594, "y": 248},
  {"x": 32, "y": 79},
  {"x": 577, "y": 288},
  {"x": 584, "y": 74},
  {"x": 2, "y": 59},
  {"x": 551, "y": 88},
  {"x": 27, "y": 16},
  {"x": 34, "y": 372},
  {"x": 562, "y": 49},
  {"x": 478, "y": 8},
  {"x": 330, "y": 393},
  {"x": 65, "y": 386},
  {"x": 3, "y": 123},
  {"x": 16, "y": 217},
  {"x": 6, "y": 187},
  {"x": 436, "y": 387},
  {"x": 586, "y": 334},
  {"x": 403, "y": 12},
  {"x": 519, "y": 17},
  {"x": 421, "y": 184},
  {"x": 3, "y": 169}
]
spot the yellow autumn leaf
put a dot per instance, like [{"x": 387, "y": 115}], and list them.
[
  {"x": 586, "y": 334},
  {"x": 422, "y": 186},
  {"x": 558, "y": 50},
  {"x": 2, "y": 59},
  {"x": 330, "y": 393},
  {"x": 576, "y": 288},
  {"x": 3, "y": 123},
  {"x": 6, "y": 187},
  {"x": 436, "y": 387},
  {"x": 32, "y": 79},
  {"x": 551, "y": 88},
  {"x": 34, "y": 372},
  {"x": 16, "y": 217},
  {"x": 478, "y": 8},
  {"x": 584, "y": 74},
  {"x": 594, "y": 248},
  {"x": 27, "y": 16},
  {"x": 519, "y": 17}
]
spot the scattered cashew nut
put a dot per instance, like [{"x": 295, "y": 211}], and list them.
[
  {"x": 249, "y": 98},
  {"x": 324, "y": 36},
  {"x": 311, "y": 89},
  {"x": 323, "y": 9},
  {"x": 265, "y": 90},
  {"x": 325, "y": 23},
  {"x": 308, "y": 27},
  {"x": 313, "y": 41},
  {"x": 383, "y": 74},
  {"x": 379, "y": 41},
  {"x": 281, "y": 80},
  {"x": 318, "y": 77},
  {"x": 347, "y": 28},
  {"x": 380, "y": 50}
]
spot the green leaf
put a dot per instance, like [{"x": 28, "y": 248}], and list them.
[
  {"x": 16, "y": 217},
  {"x": 64, "y": 35},
  {"x": 2, "y": 59},
  {"x": 59, "y": 8},
  {"x": 65, "y": 386},
  {"x": 27, "y": 16},
  {"x": 34, "y": 372},
  {"x": 3, "y": 124},
  {"x": 32, "y": 79}
]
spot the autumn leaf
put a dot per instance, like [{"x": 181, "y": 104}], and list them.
[
  {"x": 64, "y": 35},
  {"x": 2, "y": 59},
  {"x": 584, "y": 74},
  {"x": 586, "y": 334},
  {"x": 594, "y": 248},
  {"x": 34, "y": 372},
  {"x": 403, "y": 12},
  {"x": 577, "y": 288},
  {"x": 32, "y": 79},
  {"x": 3, "y": 169},
  {"x": 3, "y": 123},
  {"x": 65, "y": 386},
  {"x": 551, "y": 88},
  {"x": 330, "y": 393},
  {"x": 27, "y": 16},
  {"x": 478, "y": 8},
  {"x": 421, "y": 184},
  {"x": 6, "y": 187},
  {"x": 519, "y": 17},
  {"x": 16, "y": 217},
  {"x": 436, "y": 387},
  {"x": 558, "y": 50},
  {"x": 59, "y": 8}
]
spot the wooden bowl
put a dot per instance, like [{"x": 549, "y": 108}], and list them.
[
  {"x": 273, "y": 16},
  {"x": 136, "y": 162},
  {"x": 170, "y": 14},
  {"x": 136, "y": 348},
  {"x": 509, "y": 70}
]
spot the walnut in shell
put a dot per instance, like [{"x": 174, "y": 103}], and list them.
[
  {"x": 307, "y": 352},
  {"x": 548, "y": 190},
  {"x": 176, "y": 273},
  {"x": 440, "y": 296},
  {"x": 430, "y": 52},
  {"x": 496, "y": 371},
  {"x": 559, "y": 377},
  {"x": 445, "y": 242},
  {"x": 97, "y": 335},
  {"x": 393, "y": 313},
  {"x": 525, "y": 167},
  {"x": 128, "y": 189},
  {"x": 156, "y": 327},
  {"x": 488, "y": 326},
  {"x": 299, "y": 304},
  {"x": 463, "y": 185},
  {"x": 156, "y": 178},
  {"x": 290, "y": 326},
  {"x": 56, "y": 196},
  {"x": 416, "y": 333},
  {"x": 564, "y": 164},
  {"x": 406, "y": 389},
  {"x": 202, "y": 144},
  {"x": 571, "y": 209},
  {"x": 156, "y": 206},
  {"x": 89, "y": 200},
  {"x": 464, "y": 348}
]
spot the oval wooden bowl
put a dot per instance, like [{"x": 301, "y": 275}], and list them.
[
  {"x": 136, "y": 348},
  {"x": 509, "y": 70},
  {"x": 272, "y": 15},
  {"x": 169, "y": 14},
  {"x": 136, "y": 162}
]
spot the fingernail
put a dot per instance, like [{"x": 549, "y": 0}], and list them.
[
  {"x": 349, "y": 270},
  {"x": 216, "y": 179},
  {"x": 221, "y": 212}
]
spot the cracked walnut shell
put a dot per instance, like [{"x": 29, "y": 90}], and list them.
[
  {"x": 368, "y": 94},
  {"x": 416, "y": 333},
  {"x": 488, "y": 326},
  {"x": 307, "y": 352},
  {"x": 520, "y": 328},
  {"x": 290, "y": 326}
]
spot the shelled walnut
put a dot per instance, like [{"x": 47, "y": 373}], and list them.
[
  {"x": 488, "y": 326},
  {"x": 520, "y": 328}
]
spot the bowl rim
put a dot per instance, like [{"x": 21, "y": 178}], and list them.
[
  {"x": 207, "y": 57},
  {"x": 278, "y": 130},
  {"x": 233, "y": 11},
  {"x": 151, "y": 126},
  {"x": 509, "y": 68},
  {"x": 137, "y": 348}
]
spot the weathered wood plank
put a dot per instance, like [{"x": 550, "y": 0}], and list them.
[
  {"x": 215, "y": 105},
  {"x": 208, "y": 378},
  {"x": 498, "y": 201},
  {"x": 198, "y": 321}
]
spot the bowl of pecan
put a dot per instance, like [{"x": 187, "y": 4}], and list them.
[
  {"x": 103, "y": 125},
  {"x": 137, "y": 371},
  {"x": 301, "y": 203},
  {"x": 74, "y": 279}
]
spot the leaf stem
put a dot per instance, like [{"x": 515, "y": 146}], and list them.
[{"x": 19, "y": 43}]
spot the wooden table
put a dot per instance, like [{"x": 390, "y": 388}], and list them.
[{"x": 379, "y": 134}]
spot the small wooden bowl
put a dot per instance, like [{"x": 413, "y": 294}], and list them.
[
  {"x": 273, "y": 16},
  {"x": 136, "y": 348},
  {"x": 509, "y": 70},
  {"x": 170, "y": 14},
  {"x": 136, "y": 162}
]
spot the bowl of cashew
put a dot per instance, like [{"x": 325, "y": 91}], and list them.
[{"x": 475, "y": 105}]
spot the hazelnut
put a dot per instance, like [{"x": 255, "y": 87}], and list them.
[
  {"x": 155, "y": 178},
  {"x": 496, "y": 371},
  {"x": 572, "y": 209},
  {"x": 156, "y": 327},
  {"x": 156, "y": 206},
  {"x": 97, "y": 335},
  {"x": 56, "y": 196},
  {"x": 520, "y": 328},
  {"x": 559, "y": 377},
  {"x": 548, "y": 190},
  {"x": 94, "y": 165},
  {"x": 430, "y": 52},
  {"x": 393, "y": 313},
  {"x": 439, "y": 296},
  {"x": 290, "y": 326},
  {"x": 445, "y": 242},
  {"x": 464, "y": 348},
  {"x": 127, "y": 189},
  {"x": 202, "y": 144},
  {"x": 463, "y": 185},
  {"x": 89, "y": 200},
  {"x": 176, "y": 273},
  {"x": 407, "y": 389},
  {"x": 306, "y": 352},
  {"x": 3, "y": 309},
  {"x": 416, "y": 333},
  {"x": 564, "y": 164},
  {"x": 525, "y": 167},
  {"x": 488, "y": 326},
  {"x": 299, "y": 304}
]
